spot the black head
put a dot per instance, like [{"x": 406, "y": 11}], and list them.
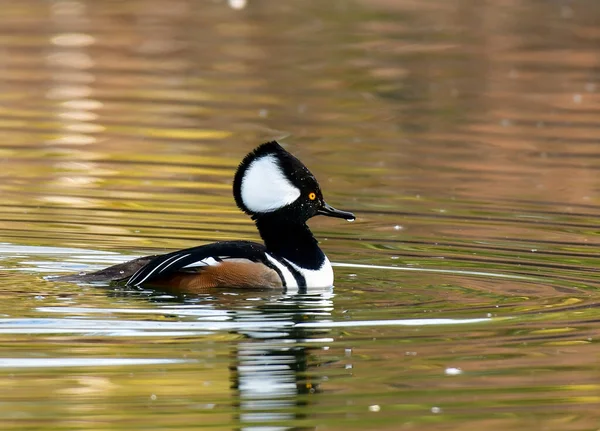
[{"x": 270, "y": 182}]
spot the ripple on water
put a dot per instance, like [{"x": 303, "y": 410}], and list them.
[{"x": 465, "y": 293}]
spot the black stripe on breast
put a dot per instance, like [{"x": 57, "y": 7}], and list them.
[
  {"x": 300, "y": 280},
  {"x": 269, "y": 264}
]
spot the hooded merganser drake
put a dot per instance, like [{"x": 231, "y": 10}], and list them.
[{"x": 280, "y": 194}]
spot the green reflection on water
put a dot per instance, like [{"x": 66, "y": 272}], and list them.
[{"x": 461, "y": 136}]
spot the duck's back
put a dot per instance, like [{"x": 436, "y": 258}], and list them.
[{"x": 221, "y": 264}]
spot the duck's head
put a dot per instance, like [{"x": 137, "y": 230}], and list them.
[{"x": 272, "y": 182}]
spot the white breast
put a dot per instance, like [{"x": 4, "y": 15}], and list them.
[
  {"x": 290, "y": 280},
  {"x": 322, "y": 277}
]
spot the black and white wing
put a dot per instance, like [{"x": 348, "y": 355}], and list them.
[{"x": 193, "y": 259}]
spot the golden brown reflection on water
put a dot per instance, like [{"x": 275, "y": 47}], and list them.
[{"x": 464, "y": 135}]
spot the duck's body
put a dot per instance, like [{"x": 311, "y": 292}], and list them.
[
  {"x": 280, "y": 194},
  {"x": 232, "y": 264}
]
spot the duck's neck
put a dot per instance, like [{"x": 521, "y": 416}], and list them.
[{"x": 293, "y": 241}]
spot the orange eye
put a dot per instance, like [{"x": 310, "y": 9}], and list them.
[{"x": 312, "y": 196}]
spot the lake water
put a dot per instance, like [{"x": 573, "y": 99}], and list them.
[{"x": 463, "y": 134}]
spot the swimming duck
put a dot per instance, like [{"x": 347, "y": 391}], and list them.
[{"x": 280, "y": 194}]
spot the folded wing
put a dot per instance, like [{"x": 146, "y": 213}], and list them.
[{"x": 227, "y": 263}]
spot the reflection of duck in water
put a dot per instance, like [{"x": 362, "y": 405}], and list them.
[
  {"x": 280, "y": 194},
  {"x": 276, "y": 368}
]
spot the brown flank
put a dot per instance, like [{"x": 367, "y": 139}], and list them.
[{"x": 231, "y": 273}]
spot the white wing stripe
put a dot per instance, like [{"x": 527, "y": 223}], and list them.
[
  {"x": 173, "y": 262},
  {"x": 158, "y": 267},
  {"x": 195, "y": 264},
  {"x": 207, "y": 261}
]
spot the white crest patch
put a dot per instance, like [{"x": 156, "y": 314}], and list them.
[
  {"x": 322, "y": 277},
  {"x": 265, "y": 188}
]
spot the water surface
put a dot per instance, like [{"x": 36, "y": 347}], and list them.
[{"x": 463, "y": 134}]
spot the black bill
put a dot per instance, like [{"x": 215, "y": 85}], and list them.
[{"x": 328, "y": 210}]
